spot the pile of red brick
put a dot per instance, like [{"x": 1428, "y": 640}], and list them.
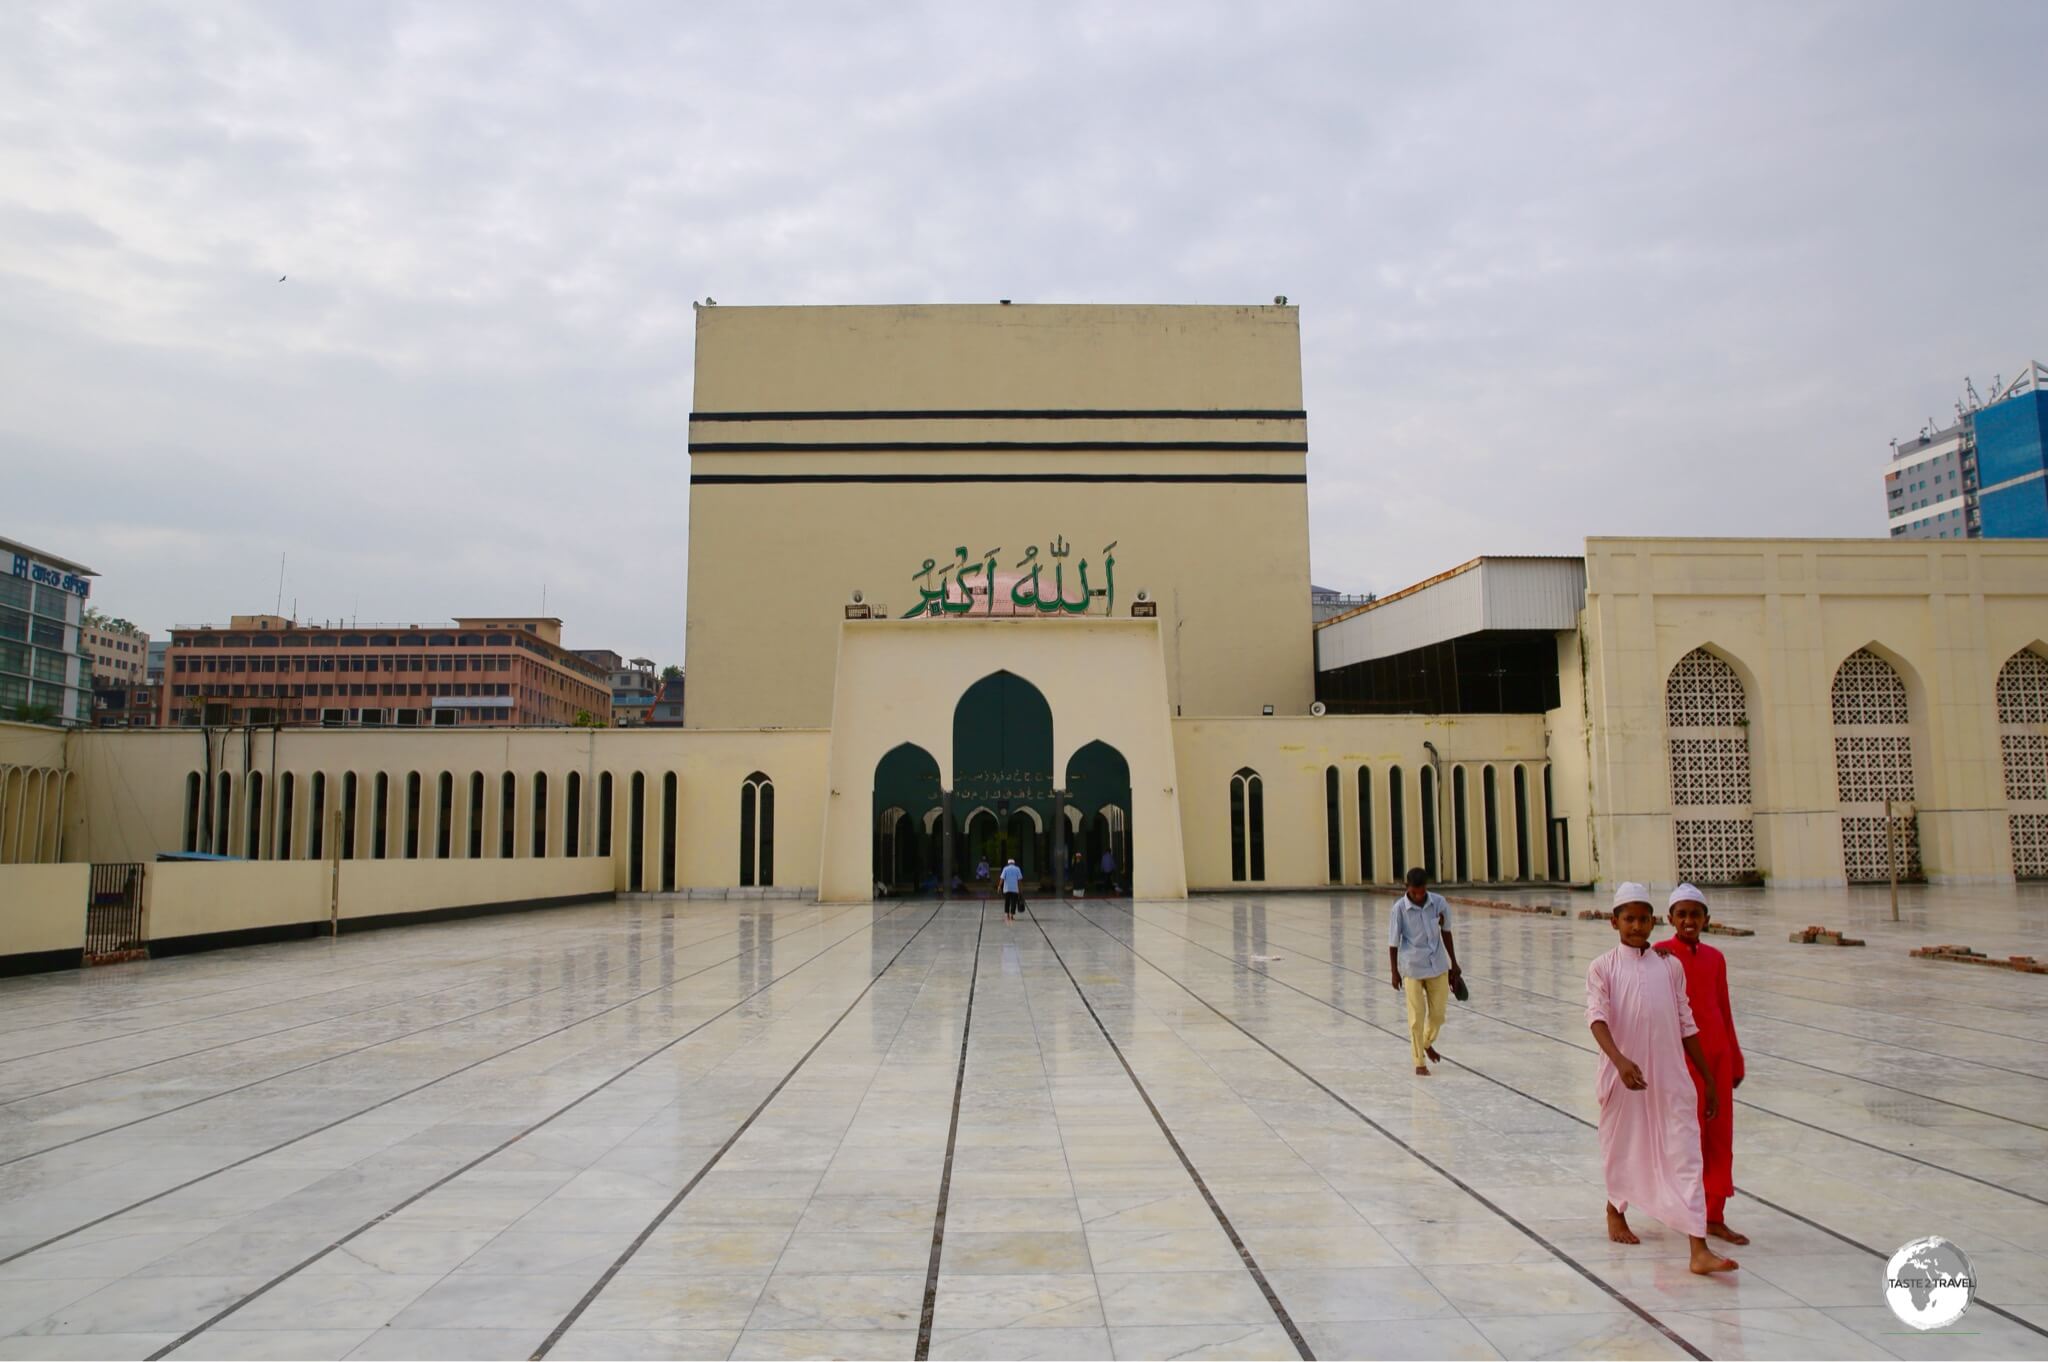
[
  {"x": 1817, "y": 935},
  {"x": 1723, "y": 929},
  {"x": 2025, "y": 964},
  {"x": 1505, "y": 906},
  {"x": 1594, "y": 915}
]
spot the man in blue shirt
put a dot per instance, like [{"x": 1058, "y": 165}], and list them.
[
  {"x": 1013, "y": 890},
  {"x": 1424, "y": 961}
]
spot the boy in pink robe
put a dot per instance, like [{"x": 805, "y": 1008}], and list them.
[{"x": 1649, "y": 1113}]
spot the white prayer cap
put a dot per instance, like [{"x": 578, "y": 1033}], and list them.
[
  {"x": 1628, "y": 891},
  {"x": 1685, "y": 893}
]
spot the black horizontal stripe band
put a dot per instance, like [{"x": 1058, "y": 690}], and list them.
[
  {"x": 1014, "y": 414},
  {"x": 990, "y": 446},
  {"x": 761, "y": 479}
]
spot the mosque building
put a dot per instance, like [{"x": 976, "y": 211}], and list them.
[{"x": 974, "y": 582}]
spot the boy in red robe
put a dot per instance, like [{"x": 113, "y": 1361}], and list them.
[{"x": 1706, "y": 988}]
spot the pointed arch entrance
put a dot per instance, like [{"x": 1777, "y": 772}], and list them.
[
  {"x": 907, "y": 803},
  {"x": 1002, "y": 761},
  {"x": 1098, "y": 786}
]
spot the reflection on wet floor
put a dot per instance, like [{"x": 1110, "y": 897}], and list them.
[{"x": 659, "y": 1128}]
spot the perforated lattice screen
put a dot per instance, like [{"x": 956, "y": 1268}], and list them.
[{"x": 1868, "y": 691}]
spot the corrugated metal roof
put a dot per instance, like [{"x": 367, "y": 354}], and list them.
[{"x": 1518, "y": 592}]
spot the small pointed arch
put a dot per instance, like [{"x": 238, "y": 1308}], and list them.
[
  {"x": 1001, "y": 723},
  {"x": 1873, "y": 685},
  {"x": 757, "y": 830},
  {"x": 907, "y": 776},
  {"x": 1098, "y": 773},
  {"x": 1707, "y": 688},
  {"x": 1247, "y": 826},
  {"x": 2023, "y": 687}
]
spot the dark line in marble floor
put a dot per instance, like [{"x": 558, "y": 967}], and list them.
[
  {"x": 931, "y": 1273},
  {"x": 1530, "y": 1097},
  {"x": 1244, "y": 1252},
  {"x": 364, "y": 1111},
  {"x": 1640, "y": 1312},
  {"x": 568, "y": 1321}
]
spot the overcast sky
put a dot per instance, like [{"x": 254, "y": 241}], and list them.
[{"x": 1562, "y": 270}]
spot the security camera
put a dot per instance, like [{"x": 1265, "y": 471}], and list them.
[
  {"x": 1319, "y": 709},
  {"x": 857, "y": 597},
  {"x": 1143, "y": 594}
]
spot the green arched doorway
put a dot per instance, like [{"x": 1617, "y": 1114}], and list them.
[
  {"x": 1002, "y": 762},
  {"x": 1098, "y": 789},
  {"x": 906, "y": 852}
]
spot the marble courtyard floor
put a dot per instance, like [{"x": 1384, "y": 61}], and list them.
[{"x": 781, "y": 1129}]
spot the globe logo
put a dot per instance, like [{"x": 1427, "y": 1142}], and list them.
[{"x": 1928, "y": 1283}]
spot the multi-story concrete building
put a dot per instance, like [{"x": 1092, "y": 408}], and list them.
[
  {"x": 666, "y": 710},
  {"x": 44, "y": 672},
  {"x": 266, "y": 669},
  {"x": 119, "y": 651},
  {"x": 153, "y": 665},
  {"x": 126, "y": 706},
  {"x": 2012, "y": 459},
  {"x": 1936, "y": 484},
  {"x": 633, "y": 684}
]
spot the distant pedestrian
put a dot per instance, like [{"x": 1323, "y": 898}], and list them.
[
  {"x": 1109, "y": 869},
  {"x": 1013, "y": 890},
  {"x": 1637, "y": 1009},
  {"x": 1424, "y": 961},
  {"x": 981, "y": 871}
]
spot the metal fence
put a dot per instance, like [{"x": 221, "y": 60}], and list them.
[{"x": 113, "y": 913}]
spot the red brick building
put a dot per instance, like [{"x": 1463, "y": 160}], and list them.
[{"x": 500, "y": 670}]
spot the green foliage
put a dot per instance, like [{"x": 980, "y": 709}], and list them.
[{"x": 671, "y": 672}]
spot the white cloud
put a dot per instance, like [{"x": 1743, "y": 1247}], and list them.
[{"x": 1563, "y": 271}]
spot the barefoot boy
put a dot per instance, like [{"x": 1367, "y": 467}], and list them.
[
  {"x": 1649, "y": 1122},
  {"x": 1706, "y": 990}
]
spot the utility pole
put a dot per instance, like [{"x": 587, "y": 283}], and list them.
[{"x": 1891, "y": 860}]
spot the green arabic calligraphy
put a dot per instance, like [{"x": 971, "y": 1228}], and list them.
[{"x": 956, "y": 591}]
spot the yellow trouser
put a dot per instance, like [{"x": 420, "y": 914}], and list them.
[{"x": 1427, "y": 1001}]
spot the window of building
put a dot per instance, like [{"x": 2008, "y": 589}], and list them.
[
  {"x": 379, "y": 815},
  {"x": 1333, "y": 815},
  {"x": 1247, "y": 826},
  {"x": 1365, "y": 824},
  {"x": 508, "y": 797},
  {"x": 1428, "y": 802},
  {"x": 1459, "y": 859},
  {"x": 1490, "y": 811},
  {"x": 540, "y": 815},
  {"x": 668, "y": 831},
  {"x": 636, "y": 813},
  {"x": 316, "y": 817},
  {"x": 476, "y": 815},
  {"x": 223, "y": 813},
  {"x": 252, "y": 828},
  {"x": 572, "y": 815},
  {"x": 757, "y": 830}
]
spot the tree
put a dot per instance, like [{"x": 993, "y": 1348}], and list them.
[
  {"x": 671, "y": 672},
  {"x": 585, "y": 719}
]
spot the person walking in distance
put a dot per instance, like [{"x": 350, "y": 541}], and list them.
[
  {"x": 1424, "y": 961},
  {"x": 1013, "y": 890}
]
